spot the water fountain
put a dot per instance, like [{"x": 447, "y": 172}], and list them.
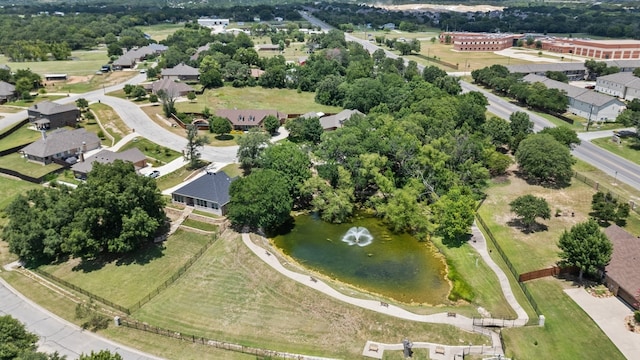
[{"x": 358, "y": 235}]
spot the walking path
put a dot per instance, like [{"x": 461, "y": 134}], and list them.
[{"x": 609, "y": 314}]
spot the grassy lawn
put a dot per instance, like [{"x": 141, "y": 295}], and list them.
[
  {"x": 22, "y": 136},
  {"x": 9, "y": 109},
  {"x": 36, "y": 99},
  {"x": 232, "y": 170},
  {"x": 628, "y": 148},
  {"x": 174, "y": 178},
  {"x": 205, "y": 213},
  {"x": 199, "y": 225},
  {"x": 9, "y": 188},
  {"x": 83, "y": 62},
  {"x": 84, "y": 83},
  {"x": 110, "y": 120},
  {"x": 285, "y": 100},
  {"x": 127, "y": 280},
  {"x": 152, "y": 150},
  {"x": 160, "y": 32},
  {"x": 17, "y": 163},
  {"x": 568, "y": 333},
  {"x": 254, "y": 305}
]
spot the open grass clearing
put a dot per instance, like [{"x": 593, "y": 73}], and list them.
[
  {"x": 80, "y": 84},
  {"x": 232, "y": 170},
  {"x": 254, "y": 305},
  {"x": 568, "y": 333},
  {"x": 82, "y": 62},
  {"x": 17, "y": 163},
  {"x": 199, "y": 225},
  {"x": 9, "y": 188},
  {"x": 175, "y": 177},
  {"x": 159, "y": 32},
  {"x": 285, "y": 100},
  {"x": 110, "y": 121},
  {"x": 126, "y": 280},
  {"x": 206, "y": 213},
  {"x": 629, "y": 148},
  {"x": 23, "y": 136},
  {"x": 37, "y": 98},
  {"x": 152, "y": 150}
]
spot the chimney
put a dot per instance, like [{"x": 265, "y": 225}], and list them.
[
  {"x": 35, "y": 106},
  {"x": 84, "y": 147},
  {"x": 44, "y": 134},
  {"x": 81, "y": 157}
]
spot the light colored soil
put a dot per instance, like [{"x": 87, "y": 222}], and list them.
[{"x": 78, "y": 79}]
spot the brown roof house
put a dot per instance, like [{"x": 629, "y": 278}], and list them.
[
  {"x": 61, "y": 144},
  {"x": 172, "y": 88},
  {"x": 209, "y": 192},
  {"x": 622, "y": 275},
  {"x": 247, "y": 119},
  {"x": 181, "y": 72},
  {"x": 84, "y": 166},
  {"x": 48, "y": 115},
  {"x": 7, "y": 92}
]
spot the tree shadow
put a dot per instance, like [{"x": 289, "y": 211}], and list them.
[
  {"x": 549, "y": 184},
  {"x": 534, "y": 228},
  {"x": 141, "y": 256},
  {"x": 456, "y": 242},
  {"x": 224, "y": 137}
]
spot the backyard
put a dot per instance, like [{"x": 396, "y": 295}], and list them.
[
  {"x": 17, "y": 163},
  {"x": 159, "y": 154}
]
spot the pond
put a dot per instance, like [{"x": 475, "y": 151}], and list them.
[{"x": 365, "y": 254}]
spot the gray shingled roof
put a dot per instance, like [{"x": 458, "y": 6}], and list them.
[
  {"x": 537, "y": 68},
  {"x": 6, "y": 89},
  {"x": 578, "y": 93},
  {"x": 59, "y": 141},
  {"x": 131, "y": 56},
  {"x": 633, "y": 63},
  {"x": 623, "y": 267},
  {"x": 50, "y": 108},
  {"x": 336, "y": 121},
  {"x": 172, "y": 87},
  {"x": 212, "y": 187},
  {"x": 181, "y": 70},
  {"x": 248, "y": 117},
  {"x": 624, "y": 78},
  {"x": 133, "y": 155}
]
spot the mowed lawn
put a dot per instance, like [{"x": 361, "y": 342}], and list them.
[
  {"x": 285, "y": 100},
  {"x": 17, "y": 163},
  {"x": 568, "y": 334},
  {"x": 82, "y": 62},
  {"x": 231, "y": 295},
  {"x": 127, "y": 280},
  {"x": 10, "y": 188},
  {"x": 22, "y": 136}
]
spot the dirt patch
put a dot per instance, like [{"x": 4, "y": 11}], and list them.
[{"x": 78, "y": 79}]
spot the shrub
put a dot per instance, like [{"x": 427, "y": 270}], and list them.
[{"x": 636, "y": 316}]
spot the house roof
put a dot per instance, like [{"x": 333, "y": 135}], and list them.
[
  {"x": 575, "y": 92},
  {"x": 248, "y": 117},
  {"x": 624, "y": 78},
  {"x": 5, "y": 67},
  {"x": 50, "y": 108},
  {"x": 133, "y": 155},
  {"x": 59, "y": 141},
  {"x": 172, "y": 87},
  {"x": 256, "y": 73},
  {"x": 132, "y": 55},
  {"x": 623, "y": 267},
  {"x": 181, "y": 70},
  {"x": 212, "y": 187},
  {"x": 336, "y": 121},
  {"x": 538, "y": 68},
  {"x": 199, "y": 50},
  {"x": 6, "y": 89}
]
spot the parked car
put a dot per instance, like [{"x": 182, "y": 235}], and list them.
[{"x": 154, "y": 174}]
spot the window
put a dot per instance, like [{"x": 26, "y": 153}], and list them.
[
  {"x": 214, "y": 205},
  {"x": 178, "y": 198},
  {"x": 201, "y": 202}
]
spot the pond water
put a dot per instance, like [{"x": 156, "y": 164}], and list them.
[{"x": 365, "y": 254}]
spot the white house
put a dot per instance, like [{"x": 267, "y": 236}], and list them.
[
  {"x": 213, "y": 23},
  {"x": 622, "y": 85}
]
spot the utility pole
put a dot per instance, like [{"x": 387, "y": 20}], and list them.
[{"x": 589, "y": 119}]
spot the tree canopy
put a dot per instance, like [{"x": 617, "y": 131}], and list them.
[
  {"x": 585, "y": 247},
  {"x": 528, "y": 208},
  {"x": 542, "y": 158},
  {"x": 607, "y": 208}
]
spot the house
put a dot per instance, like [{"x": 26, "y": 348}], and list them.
[
  {"x": 623, "y": 85},
  {"x": 61, "y": 144},
  {"x": 247, "y": 119},
  {"x": 84, "y": 166},
  {"x": 209, "y": 192},
  {"x": 256, "y": 73},
  {"x": 622, "y": 274},
  {"x": 181, "y": 72},
  {"x": 584, "y": 102},
  {"x": 7, "y": 92},
  {"x": 333, "y": 122},
  {"x": 129, "y": 59},
  {"x": 5, "y": 67},
  {"x": 172, "y": 88},
  {"x": 574, "y": 71},
  {"x": 48, "y": 115},
  {"x": 388, "y": 26},
  {"x": 199, "y": 50},
  {"x": 213, "y": 23}
]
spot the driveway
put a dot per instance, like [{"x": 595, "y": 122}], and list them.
[
  {"x": 609, "y": 314},
  {"x": 57, "y": 334}
]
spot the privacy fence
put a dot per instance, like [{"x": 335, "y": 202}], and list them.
[{"x": 599, "y": 187}]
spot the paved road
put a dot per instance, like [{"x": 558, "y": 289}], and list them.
[
  {"x": 613, "y": 165},
  {"x": 57, "y": 334}
]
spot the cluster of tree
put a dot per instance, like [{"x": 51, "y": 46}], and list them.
[
  {"x": 631, "y": 115},
  {"x": 606, "y": 208},
  {"x": 135, "y": 91},
  {"x": 24, "y": 80},
  {"x": 596, "y": 69},
  {"x": 345, "y": 13},
  {"x": 25, "y": 50},
  {"x": 114, "y": 212},
  {"x": 536, "y": 95},
  {"x": 585, "y": 247}
]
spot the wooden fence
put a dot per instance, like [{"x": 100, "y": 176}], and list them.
[{"x": 552, "y": 271}]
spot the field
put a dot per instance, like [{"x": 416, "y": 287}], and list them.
[
  {"x": 127, "y": 280},
  {"x": 628, "y": 148},
  {"x": 17, "y": 163},
  {"x": 22, "y": 136},
  {"x": 110, "y": 120},
  {"x": 154, "y": 151},
  {"x": 84, "y": 62},
  {"x": 231, "y": 295},
  {"x": 160, "y": 32}
]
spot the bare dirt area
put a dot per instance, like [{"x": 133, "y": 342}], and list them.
[
  {"x": 442, "y": 8},
  {"x": 78, "y": 79}
]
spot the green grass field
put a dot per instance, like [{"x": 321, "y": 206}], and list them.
[
  {"x": 84, "y": 62},
  {"x": 199, "y": 225},
  {"x": 568, "y": 333},
  {"x": 159, "y": 32},
  {"x": 231, "y": 295},
  {"x": 22, "y": 136},
  {"x": 9, "y": 188},
  {"x": 152, "y": 150},
  {"x": 127, "y": 280},
  {"x": 17, "y": 163},
  {"x": 628, "y": 148}
]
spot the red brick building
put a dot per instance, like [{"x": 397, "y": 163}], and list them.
[
  {"x": 465, "y": 41},
  {"x": 595, "y": 49}
]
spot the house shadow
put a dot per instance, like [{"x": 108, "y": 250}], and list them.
[{"x": 534, "y": 228}]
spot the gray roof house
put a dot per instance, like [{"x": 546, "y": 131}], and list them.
[
  {"x": 622, "y": 274},
  {"x": 623, "y": 85},
  {"x": 84, "y": 166},
  {"x": 209, "y": 192},
  {"x": 181, "y": 72},
  {"x": 171, "y": 87},
  {"x": 7, "y": 92},
  {"x": 5, "y": 67},
  {"x": 49, "y": 115},
  {"x": 61, "y": 144},
  {"x": 584, "y": 102},
  {"x": 128, "y": 60},
  {"x": 246, "y": 119},
  {"x": 333, "y": 122},
  {"x": 574, "y": 71}
]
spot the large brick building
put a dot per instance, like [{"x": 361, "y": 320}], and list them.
[
  {"x": 466, "y": 41},
  {"x": 595, "y": 49}
]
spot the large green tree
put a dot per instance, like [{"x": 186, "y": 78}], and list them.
[
  {"x": 250, "y": 147},
  {"x": 304, "y": 129},
  {"x": 607, "y": 208},
  {"x": 271, "y": 124},
  {"x": 585, "y": 247},
  {"x": 454, "y": 213},
  {"x": 15, "y": 340},
  {"x": 219, "y": 125},
  {"x": 101, "y": 355},
  {"x": 260, "y": 200},
  {"x": 291, "y": 162},
  {"x": 563, "y": 134},
  {"x": 195, "y": 143},
  {"x": 542, "y": 158},
  {"x": 528, "y": 208}
]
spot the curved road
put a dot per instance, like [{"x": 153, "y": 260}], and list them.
[{"x": 57, "y": 334}]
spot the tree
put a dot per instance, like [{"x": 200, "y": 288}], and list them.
[
  {"x": 498, "y": 130},
  {"x": 558, "y": 76},
  {"x": 219, "y": 125},
  {"x": 636, "y": 72},
  {"x": 304, "y": 129},
  {"x": 191, "y": 96},
  {"x": 153, "y": 98},
  {"x": 138, "y": 92},
  {"x": 585, "y": 247},
  {"x": 563, "y": 135},
  {"x": 14, "y": 338},
  {"x": 168, "y": 102},
  {"x": 82, "y": 103},
  {"x": 291, "y": 162},
  {"x": 521, "y": 127},
  {"x": 431, "y": 73},
  {"x": 606, "y": 208},
  {"x": 271, "y": 124},
  {"x": 101, "y": 355},
  {"x": 210, "y": 75},
  {"x": 544, "y": 159},
  {"x": 260, "y": 200},
  {"x": 250, "y": 147},
  {"x": 335, "y": 205},
  {"x": 194, "y": 145},
  {"x": 454, "y": 213},
  {"x": 329, "y": 92},
  {"x": 528, "y": 208}
]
